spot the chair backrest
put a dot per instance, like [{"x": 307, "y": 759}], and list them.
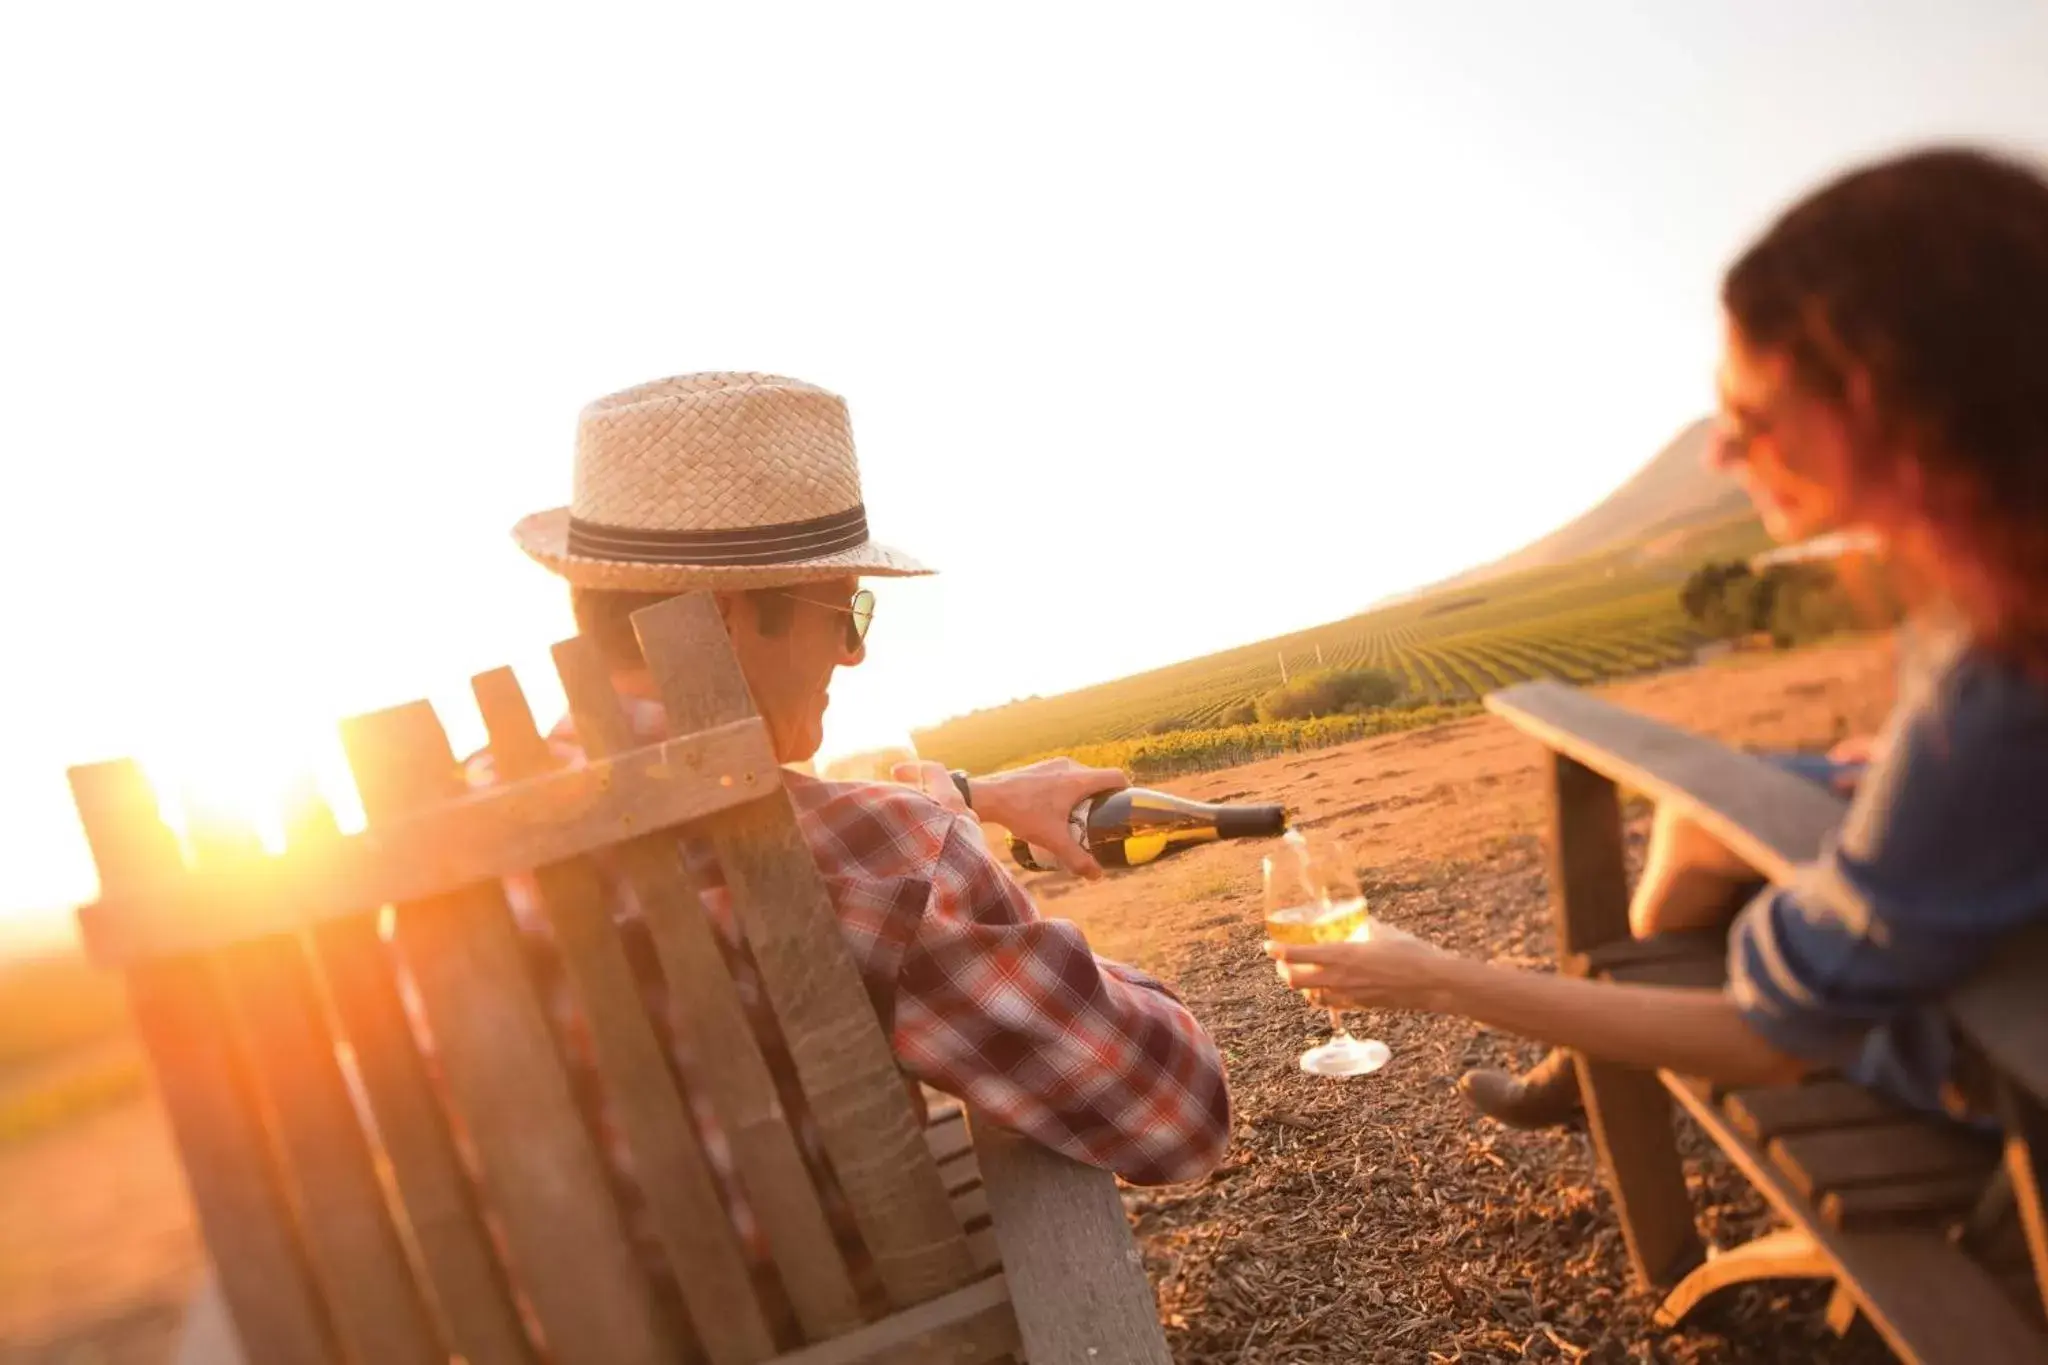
[{"x": 331, "y": 1160}]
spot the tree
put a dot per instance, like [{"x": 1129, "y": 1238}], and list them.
[{"x": 1331, "y": 692}]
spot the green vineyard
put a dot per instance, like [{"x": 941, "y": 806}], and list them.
[{"x": 1608, "y": 616}]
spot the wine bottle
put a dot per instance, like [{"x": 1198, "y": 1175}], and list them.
[{"x": 1136, "y": 826}]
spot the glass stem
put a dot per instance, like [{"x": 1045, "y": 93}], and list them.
[{"x": 1337, "y": 1023}]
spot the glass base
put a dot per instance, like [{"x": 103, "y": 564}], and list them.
[{"x": 1346, "y": 1056}]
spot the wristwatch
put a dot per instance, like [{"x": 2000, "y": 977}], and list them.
[{"x": 960, "y": 784}]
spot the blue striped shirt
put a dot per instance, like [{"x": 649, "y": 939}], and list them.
[{"x": 1943, "y": 853}]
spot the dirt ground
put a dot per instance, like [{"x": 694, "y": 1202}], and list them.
[{"x": 1362, "y": 1220}]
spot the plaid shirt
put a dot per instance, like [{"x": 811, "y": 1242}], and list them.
[{"x": 982, "y": 998}]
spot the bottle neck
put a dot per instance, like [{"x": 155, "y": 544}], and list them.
[{"x": 1250, "y": 822}]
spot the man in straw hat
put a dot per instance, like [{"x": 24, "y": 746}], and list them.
[{"x": 746, "y": 484}]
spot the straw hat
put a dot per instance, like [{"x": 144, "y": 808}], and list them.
[{"x": 712, "y": 481}]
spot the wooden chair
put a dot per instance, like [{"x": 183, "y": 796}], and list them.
[
  {"x": 1939, "y": 1240},
  {"x": 266, "y": 1000}
]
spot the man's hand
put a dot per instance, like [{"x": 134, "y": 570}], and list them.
[
  {"x": 1034, "y": 802},
  {"x": 934, "y": 781}
]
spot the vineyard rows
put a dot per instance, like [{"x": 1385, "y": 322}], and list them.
[{"x": 1579, "y": 623}]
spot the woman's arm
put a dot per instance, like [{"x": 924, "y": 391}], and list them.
[{"x": 1693, "y": 1032}]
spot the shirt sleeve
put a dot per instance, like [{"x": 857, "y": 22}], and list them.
[
  {"x": 1941, "y": 856},
  {"x": 1012, "y": 1013}
]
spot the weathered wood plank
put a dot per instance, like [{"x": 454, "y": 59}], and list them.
[
  {"x": 1626, "y": 1109},
  {"x": 1765, "y": 1112},
  {"x": 378, "y": 1311},
  {"x": 465, "y": 1283},
  {"x": 1684, "y": 946},
  {"x": 948, "y": 1137},
  {"x": 727, "y": 1059},
  {"x": 1076, "y": 1278},
  {"x": 463, "y": 840},
  {"x": 870, "y": 1131},
  {"x": 1770, "y": 819},
  {"x": 669, "y": 1162},
  {"x": 545, "y": 1182},
  {"x": 203, "y": 1081},
  {"x": 1875, "y": 1154},
  {"x": 1936, "y": 1200},
  {"x": 469, "y": 1287},
  {"x": 970, "y": 1326}
]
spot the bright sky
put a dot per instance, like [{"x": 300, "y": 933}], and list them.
[{"x": 1164, "y": 327}]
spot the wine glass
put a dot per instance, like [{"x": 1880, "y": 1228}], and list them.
[{"x": 1313, "y": 896}]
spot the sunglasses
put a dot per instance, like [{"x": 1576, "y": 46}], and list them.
[{"x": 860, "y": 614}]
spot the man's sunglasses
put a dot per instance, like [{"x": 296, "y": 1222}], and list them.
[{"x": 860, "y": 614}]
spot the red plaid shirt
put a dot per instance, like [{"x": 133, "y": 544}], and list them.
[{"x": 983, "y": 999}]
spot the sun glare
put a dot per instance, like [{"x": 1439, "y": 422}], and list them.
[{"x": 233, "y": 789}]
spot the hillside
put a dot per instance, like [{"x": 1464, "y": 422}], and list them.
[{"x": 1675, "y": 492}]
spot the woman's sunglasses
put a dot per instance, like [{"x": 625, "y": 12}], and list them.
[{"x": 860, "y": 614}]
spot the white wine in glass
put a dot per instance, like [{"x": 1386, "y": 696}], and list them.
[{"x": 1313, "y": 896}]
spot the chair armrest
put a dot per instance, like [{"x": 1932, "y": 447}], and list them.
[
  {"x": 1769, "y": 818},
  {"x": 2003, "y": 1011},
  {"x": 1076, "y": 1279}
]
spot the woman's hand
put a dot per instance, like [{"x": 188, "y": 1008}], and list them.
[{"x": 1388, "y": 969}]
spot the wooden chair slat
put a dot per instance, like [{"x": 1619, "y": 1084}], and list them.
[
  {"x": 970, "y": 1326},
  {"x": 355, "y": 1248},
  {"x": 203, "y": 1082},
  {"x": 464, "y": 1276},
  {"x": 1626, "y": 1109},
  {"x": 1059, "y": 1225},
  {"x": 1767, "y": 1112},
  {"x": 379, "y": 1312},
  {"x": 461, "y": 841},
  {"x": 948, "y": 1137},
  {"x": 1933, "y": 1201},
  {"x": 970, "y": 1208},
  {"x": 849, "y": 1075},
  {"x": 725, "y": 1052},
  {"x": 494, "y": 1045},
  {"x": 464, "y": 1281},
  {"x": 669, "y": 1162},
  {"x": 1876, "y": 1154},
  {"x": 981, "y": 1244},
  {"x": 960, "y": 1172},
  {"x": 1770, "y": 818},
  {"x": 1694, "y": 973},
  {"x": 1688, "y": 945}
]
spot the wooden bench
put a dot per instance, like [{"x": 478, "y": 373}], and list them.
[
  {"x": 331, "y": 1172},
  {"x": 1937, "y": 1237}
]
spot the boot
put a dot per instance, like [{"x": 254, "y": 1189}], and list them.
[{"x": 1547, "y": 1097}]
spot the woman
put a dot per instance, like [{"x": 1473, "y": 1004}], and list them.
[{"x": 1885, "y": 366}]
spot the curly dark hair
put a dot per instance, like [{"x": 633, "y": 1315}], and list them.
[{"x": 1913, "y": 294}]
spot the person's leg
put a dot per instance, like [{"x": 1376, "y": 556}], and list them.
[{"x": 1690, "y": 881}]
